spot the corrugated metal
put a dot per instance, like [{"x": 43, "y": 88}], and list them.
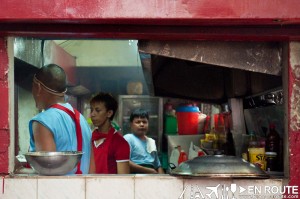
[{"x": 250, "y": 56}]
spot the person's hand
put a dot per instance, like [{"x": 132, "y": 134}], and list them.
[
  {"x": 22, "y": 167},
  {"x": 160, "y": 170}
]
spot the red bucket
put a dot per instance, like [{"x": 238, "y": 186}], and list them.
[{"x": 187, "y": 120}]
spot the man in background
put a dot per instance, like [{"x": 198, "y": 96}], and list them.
[{"x": 59, "y": 127}]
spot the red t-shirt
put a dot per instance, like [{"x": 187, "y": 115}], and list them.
[{"x": 118, "y": 151}]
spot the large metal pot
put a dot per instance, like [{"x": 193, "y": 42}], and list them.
[{"x": 219, "y": 166}]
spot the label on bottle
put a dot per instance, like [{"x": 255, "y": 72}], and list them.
[
  {"x": 257, "y": 156},
  {"x": 182, "y": 157}
]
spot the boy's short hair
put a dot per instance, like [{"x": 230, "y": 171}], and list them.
[
  {"x": 109, "y": 101},
  {"x": 139, "y": 113}
]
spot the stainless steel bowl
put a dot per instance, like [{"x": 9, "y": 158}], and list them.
[{"x": 53, "y": 163}]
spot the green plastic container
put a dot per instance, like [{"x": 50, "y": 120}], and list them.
[
  {"x": 170, "y": 126},
  {"x": 163, "y": 158}
]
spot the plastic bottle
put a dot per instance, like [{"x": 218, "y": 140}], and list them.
[
  {"x": 257, "y": 155},
  {"x": 251, "y": 141},
  {"x": 256, "y": 151},
  {"x": 170, "y": 121},
  {"x": 175, "y": 156},
  {"x": 252, "y": 136},
  {"x": 201, "y": 153},
  {"x": 182, "y": 157}
]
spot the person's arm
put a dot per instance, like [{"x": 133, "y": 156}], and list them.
[
  {"x": 43, "y": 138},
  {"x": 92, "y": 161},
  {"x": 158, "y": 164},
  {"x": 123, "y": 167},
  {"x": 122, "y": 154},
  {"x": 135, "y": 168}
]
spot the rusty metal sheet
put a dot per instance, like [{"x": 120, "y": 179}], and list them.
[
  {"x": 147, "y": 70},
  {"x": 259, "y": 57},
  {"x": 182, "y": 79}
]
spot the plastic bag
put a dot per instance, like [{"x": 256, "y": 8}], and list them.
[{"x": 193, "y": 151}]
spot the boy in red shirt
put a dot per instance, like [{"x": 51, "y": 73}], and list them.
[{"x": 110, "y": 151}]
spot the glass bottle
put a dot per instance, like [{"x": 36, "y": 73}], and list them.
[
  {"x": 214, "y": 138},
  {"x": 273, "y": 142},
  {"x": 271, "y": 159},
  {"x": 248, "y": 142},
  {"x": 228, "y": 147}
]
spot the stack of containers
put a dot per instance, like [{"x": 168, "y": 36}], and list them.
[{"x": 187, "y": 119}]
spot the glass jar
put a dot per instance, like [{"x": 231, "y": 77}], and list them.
[{"x": 271, "y": 159}]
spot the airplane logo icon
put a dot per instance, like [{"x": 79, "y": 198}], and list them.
[
  {"x": 213, "y": 190},
  {"x": 195, "y": 192}
]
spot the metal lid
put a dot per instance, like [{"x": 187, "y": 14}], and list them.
[
  {"x": 188, "y": 109},
  {"x": 219, "y": 166},
  {"x": 271, "y": 153}
]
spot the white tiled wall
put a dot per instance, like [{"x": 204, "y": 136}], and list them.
[
  {"x": 127, "y": 187},
  {"x": 72, "y": 188},
  {"x": 23, "y": 188},
  {"x": 110, "y": 186},
  {"x": 150, "y": 187}
]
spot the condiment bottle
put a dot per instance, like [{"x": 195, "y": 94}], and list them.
[
  {"x": 257, "y": 154},
  {"x": 213, "y": 137},
  {"x": 228, "y": 146},
  {"x": 271, "y": 158},
  {"x": 182, "y": 157},
  {"x": 273, "y": 140},
  {"x": 201, "y": 153},
  {"x": 252, "y": 138}
]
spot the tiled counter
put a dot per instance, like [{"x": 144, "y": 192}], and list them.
[{"x": 132, "y": 187}]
